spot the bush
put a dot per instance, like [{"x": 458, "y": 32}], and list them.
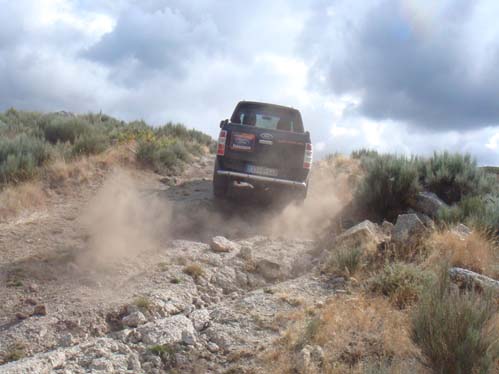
[
  {"x": 20, "y": 156},
  {"x": 345, "y": 260},
  {"x": 481, "y": 212},
  {"x": 364, "y": 153},
  {"x": 402, "y": 283},
  {"x": 456, "y": 332},
  {"x": 453, "y": 176},
  {"x": 62, "y": 129},
  {"x": 165, "y": 155},
  {"x": 90, "y": 144},
  {"x": 391, "y": 182}
]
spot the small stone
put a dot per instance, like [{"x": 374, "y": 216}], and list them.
[
  {"x": 462, "y": 231},
  {"x": 304, "y": 360},
  {"x": 21, "y": 316},
  {"x": 40, "y": 310},
  {"x": 269, "y": 270},
  {"x": 245, "y": 253},
  {"x": 31, "y": 301},
  {"x": 212, "y": 347},
  {"x": 188, "y": 337},
  {"x": 101, "y": 364},
  {"x": 221, "y": 244},
  {"x": 33, "y": 287},
  {"x": 134, "y": 319}
]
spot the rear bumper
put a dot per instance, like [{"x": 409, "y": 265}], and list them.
[{"x": 260, "y": 178}]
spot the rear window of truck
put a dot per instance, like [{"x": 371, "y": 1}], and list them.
[{"x": 268, "y": 117}]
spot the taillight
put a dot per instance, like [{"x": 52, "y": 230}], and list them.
[
  {"x": 222, "y": 138},
  {"x": 309, "y": 155}
]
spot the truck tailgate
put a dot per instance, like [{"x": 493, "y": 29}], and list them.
[{"x": 261, "y": 151}]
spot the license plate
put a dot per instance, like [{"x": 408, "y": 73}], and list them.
[{"x": 261, "y": 170}]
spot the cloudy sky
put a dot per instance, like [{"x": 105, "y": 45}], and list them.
[{"x": 404, "y": 76}]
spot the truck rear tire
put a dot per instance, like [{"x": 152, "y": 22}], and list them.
[{"x": 220, "y": 184}]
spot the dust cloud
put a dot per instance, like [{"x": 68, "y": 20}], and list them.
[{"x": 123, "y": 221}]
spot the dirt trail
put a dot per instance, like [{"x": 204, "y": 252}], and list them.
[{"x": 85, "y": 259}]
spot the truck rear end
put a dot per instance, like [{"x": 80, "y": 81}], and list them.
[{"x": 265, "y": 146}]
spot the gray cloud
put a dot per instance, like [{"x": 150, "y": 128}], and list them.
[
  {"x": 191, "y": 62},
  {"x": 408, "y": 66}
]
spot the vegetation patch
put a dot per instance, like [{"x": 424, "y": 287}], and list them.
[
  {"x": 457, "y": 332},
  {"x": 351, "y": 333},
  {"x": 478, "y": 251},
  {"x": 390, "y": 183},
  {"x": 194, "y": 270},
  {"x": 344, "y": 260},
  {"x": 402, "y": 283}
]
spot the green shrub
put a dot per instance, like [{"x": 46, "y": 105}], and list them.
[
  {"x": 453, "y": 176},
  {"x": 481, "y": 212},
  {"x": 389, "y": 185},
  {"x": 456, "y": 331},
  {"x": 402, "y": 283},
  {"x": 62, "y": 129},
  {"x": 20, "y": 157},
  {"x": 363, "y": 153},
  {"x": 344, "y": 260},
  {"x": 90, "y": 144},
  {"x": 165, "y": 155}
]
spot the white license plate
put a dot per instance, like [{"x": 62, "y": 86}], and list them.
[{"x": 261, "y": 170}]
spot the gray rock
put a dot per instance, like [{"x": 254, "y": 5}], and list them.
[
  {"x": 462, "y": 231},
  {"x": 428, "y": 203},
  {"x": 200, "y": 318},
  {"x": 304, "y": 361},
  {"x": 225, "y": 278},
  {"x": 188, "y": 337},
  {"x": 366, "y": 235},
  {"x": 135, "y": 319},
  {"x": 166, "y": 330},
  {"x": 212, "y": 347},
  {"x": 245, "y": 253},
  {"x": 468, "y": 278},
  {"x": 221, "y": 244},
  {"x": 101, "y": 364},
  {"x": 408, "y": 229},
  {"x": 271, "y": 271},
  {"x": 387, "y": 228}
]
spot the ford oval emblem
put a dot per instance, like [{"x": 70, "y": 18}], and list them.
[{"x": 266, "y": 136}]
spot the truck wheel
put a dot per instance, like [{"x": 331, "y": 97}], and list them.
[{"x": 220, "y": 184}]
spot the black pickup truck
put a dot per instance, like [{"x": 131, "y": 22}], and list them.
[{"x": 263, "y": 146}]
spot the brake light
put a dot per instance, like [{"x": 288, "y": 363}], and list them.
[
  {"x": 309, "y": 155},
  {"x": 222, "y": 139}
]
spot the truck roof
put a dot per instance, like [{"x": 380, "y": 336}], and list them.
[{"x": 272, "y": 105}]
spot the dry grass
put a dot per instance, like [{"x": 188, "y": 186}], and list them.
[
  {"x": 63, "y": 177},
  {"x": 16, "y": 199},
  {"x": 476, "y": 252},
  {"x": 353, "y": 333},
  {"x": 194, "y": 270}
]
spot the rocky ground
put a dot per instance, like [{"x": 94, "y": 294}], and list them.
[{"x": 140, "y": 273}]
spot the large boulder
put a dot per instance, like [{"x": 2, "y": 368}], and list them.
[
  {"x": 408, "y": 229},
  {"x": 366, "y": 235},
  {"x": 428, "y": 203}
]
